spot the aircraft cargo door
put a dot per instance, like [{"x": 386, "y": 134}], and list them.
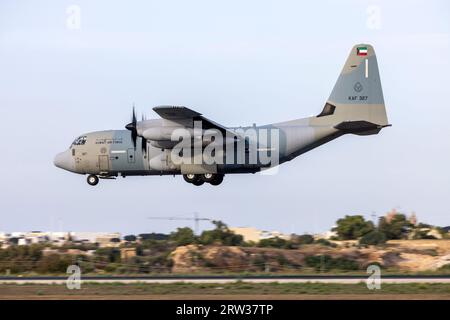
[{"x": 103, "y": 163}]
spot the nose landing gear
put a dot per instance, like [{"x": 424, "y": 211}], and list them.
[
  {"x": 92, "y": 179},
  {"x": 198, "y": 179}
]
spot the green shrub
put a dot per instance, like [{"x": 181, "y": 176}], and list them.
[
  {"x": 353, "y": 227},
  {"x": 54, "y": 263},
  {"x": 275, "y": 243},
  {"x": 221, "y": 235},
  {"x": 325, "y": 242},
  {"x": 183, "y": 236},
  {"x": 373, "y": 238},
  {"x": 327, "y": 263},
  {"x": 303, "y": 239}
]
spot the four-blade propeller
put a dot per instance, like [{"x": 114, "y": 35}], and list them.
[{"x": 132, "y": 126}]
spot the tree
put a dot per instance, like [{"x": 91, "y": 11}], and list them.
[
  {"x": 153, "y": 236},
  {"x": 395, "y": 228},
  {"x": 54, "y": 263},
  {"x": 274, "y": 243},
  {"x": 108, "y": 254},
  {"x": 325, "y": 242},
  {"x": 130, "y": 238},
  {"x": 221, "y": 235},
  {"x": 373, "y": 238},
  {"x": 183, "y": 236},
  {"x": 13, "y": 240},
  {"x": 353, "y": 227},
  {"x": 327, "y": 263},
  {"x": 303, "y": 239}
]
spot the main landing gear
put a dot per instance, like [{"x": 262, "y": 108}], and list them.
[
  {"x": 198, "y": 179},
  {"x": 92, "y": 179}
]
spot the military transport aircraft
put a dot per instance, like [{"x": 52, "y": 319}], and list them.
[{"x": 184, "y": 142}]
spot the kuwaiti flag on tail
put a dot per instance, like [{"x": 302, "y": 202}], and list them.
[{"x": 361, "y": 51}]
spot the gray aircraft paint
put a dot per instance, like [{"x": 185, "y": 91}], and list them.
[{"x": 359, "y": 108}]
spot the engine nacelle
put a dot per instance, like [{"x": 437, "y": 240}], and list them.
[
  {"x": 158, "y": 133},
  {"x": 160, "y": 137},
  {"x": 163, "y": 144}
]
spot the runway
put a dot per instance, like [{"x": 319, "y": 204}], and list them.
[{"x": 227, "y": 279}]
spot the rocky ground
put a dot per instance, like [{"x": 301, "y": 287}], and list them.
[{"x": 401, "y": 255}]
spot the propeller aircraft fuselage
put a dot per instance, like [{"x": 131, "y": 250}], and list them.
[{"x": 183, "y": 142}]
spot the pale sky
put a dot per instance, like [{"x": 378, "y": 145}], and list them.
[{"x": 237, "y": 62}]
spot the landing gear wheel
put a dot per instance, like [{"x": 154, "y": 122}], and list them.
[
  {"x": 198, "y": 182},
  {"x": 195, "y": 179},
  {"x": 92, "y": 179},
  {"x": 208, "y": 177},
  {"x": 218, "y": 178},
  {"x": 190, "y": 178}
]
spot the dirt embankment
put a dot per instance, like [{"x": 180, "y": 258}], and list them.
[{"x": 406, "y": 255}]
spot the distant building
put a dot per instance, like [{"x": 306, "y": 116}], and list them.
[
  {"x": 75, "y": 252},
  {"x": 4, "y": 239},
  {"x": 390, "y": 215},
  {"x": 255, "y": 235},
  {"x": 47, "y": 252},
  {"x": 17, "y": 234},
  {"x": 413, "y": 219},
  {"x": 4, "y": 236},
  {"x": 127, "y": 253},
  {"x": 327, "y": 235},
  {"x": 36, "y": 237},
  {"x": 104, "y": 239},
  {"x": 23, "y": 242},
  {"x": 108, "y": 240}
]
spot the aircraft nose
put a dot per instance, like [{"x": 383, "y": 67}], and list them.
[{"x": 64, "y": 160}]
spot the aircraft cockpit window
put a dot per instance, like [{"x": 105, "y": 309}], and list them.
[{"x": 80, "y": 141}]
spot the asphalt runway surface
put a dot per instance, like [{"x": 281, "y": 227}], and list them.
[{"x": 343, "y": 279}]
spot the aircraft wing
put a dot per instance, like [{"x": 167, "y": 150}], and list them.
[
  {"x": 181, "y": 114},
  {"x": 175, "y": 113}
]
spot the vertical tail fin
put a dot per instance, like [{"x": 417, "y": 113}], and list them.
[{"x": 356, "y": 104}]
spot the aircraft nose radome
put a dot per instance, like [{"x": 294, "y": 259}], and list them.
[{"x": 64, "y": 161}]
